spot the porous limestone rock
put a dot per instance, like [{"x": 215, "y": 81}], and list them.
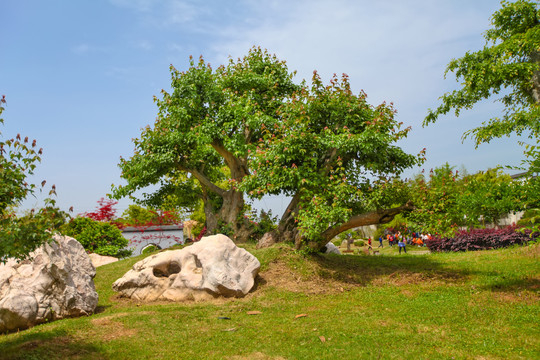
[
  {"x": 209, "y": 268},
  {"x": 56, "y": 282},
  {"x": 100, "y": 260},
  {"x": 267, "y": 240},
  {"x": 332, "y": 249}
]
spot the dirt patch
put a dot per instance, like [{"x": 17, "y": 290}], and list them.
[
  {"x": 108, "y": 328},
  {"x": 63, "y": 347},
  {"x": 31, "y": 345},
  {"x": 255, "y": 356},
  {"x": 533, "y": 251},
  {"x": 279, "y": 275},
  {"x": 402, "y": 278}
]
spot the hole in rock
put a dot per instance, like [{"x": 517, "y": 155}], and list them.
[{"x": 172, "y": 268}]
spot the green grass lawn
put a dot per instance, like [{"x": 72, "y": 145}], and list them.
[{"x": 474, "y": 305}]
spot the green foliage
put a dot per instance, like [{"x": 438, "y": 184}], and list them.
[
  {"x": 21, "y": 235},
  {"x": 199, "y": 216},
  {"x": 149, "y": 249},
  {"x": 198, "y": 146},
  {"x": 325, "y": 150},
  {"x": 262, "y": 223},
  {"x": 531, "y": 217},
  {"x": 349, "y": 234},
  {"x": 488, "y": 196},
  {"x": 447, "y": 200},
  {"x": 136, "y": 214},
  {"x": 509, "y": 63},
  {"x": 360, "y": 243},
  {"x": 98, "y": 237}
]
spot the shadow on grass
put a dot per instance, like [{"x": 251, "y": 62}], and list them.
[
  {"x": 101, "y": 308},
  {"x": 400, "y": 270},
  {"x": 54, "y": 344},
  {"x": 515, "y": 285}
]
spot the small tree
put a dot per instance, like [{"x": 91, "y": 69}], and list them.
[
  {"x": 104, "y": 212},
  {"x": 21, "y": 235}
]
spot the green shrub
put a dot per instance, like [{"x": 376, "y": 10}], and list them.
[
  {"x": 531, "y": 217},
  {"x": 98, "y": 237},
  {"x": 262, "y": 223},
  {"x": 359, "y": 243},
  {"x": 149, "y": 249}
]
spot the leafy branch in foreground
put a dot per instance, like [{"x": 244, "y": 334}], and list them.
[
  {"x": 21, "y": 235},
  {"x": 509, "y": 64}
]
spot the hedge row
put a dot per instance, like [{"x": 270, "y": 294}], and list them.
[{"x": 482, "y": 239}]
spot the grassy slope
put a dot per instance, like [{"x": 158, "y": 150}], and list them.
[{"x": 476, "y": 305}]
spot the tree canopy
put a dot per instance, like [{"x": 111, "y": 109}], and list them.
[
  {"x": 247, "y": 127},
  {"x": 509, "y": 64},
  {"x": 335, "y": 155},
  {"x": 198, "y": 146}
]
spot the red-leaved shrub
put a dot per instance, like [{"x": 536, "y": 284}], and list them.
[{"x": 481, "y": 239}]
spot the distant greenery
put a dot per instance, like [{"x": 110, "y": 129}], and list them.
[
  {"x": 531, "y": 217},
  {"x": 446, "y": 200}
]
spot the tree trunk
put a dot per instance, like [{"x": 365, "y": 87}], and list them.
[
  {"x": 231, "y": 213},
  {"x": 535, "y": 91},
  {"x": 209, "y": 213},
  {"x": 288, "y": 231}
]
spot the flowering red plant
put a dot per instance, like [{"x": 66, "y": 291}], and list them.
[{"x": 105, "y": 211}]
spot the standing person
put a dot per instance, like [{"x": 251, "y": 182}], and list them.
[
  {"x": 369, "y": 243},
  {"x": 380, "y": 241},
  {"x": 401, "y": 244}
]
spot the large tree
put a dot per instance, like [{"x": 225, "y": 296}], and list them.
[
  {"x": 199, "y": 144},
  {"x": 247, "y": 127},
  {"x": 335, "y": 155},
  {"x": 509, "y": 64}
]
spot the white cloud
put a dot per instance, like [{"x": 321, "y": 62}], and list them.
[
  {"x": 81, "y": 49},
  {"x": 143, "y": 45},
  {"x": 160, "y": 13},
  {"x": 137, "y": 5},
  {"x": 85, "y": 48}
]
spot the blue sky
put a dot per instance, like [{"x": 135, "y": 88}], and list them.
[{"x": 80, "y": 76}]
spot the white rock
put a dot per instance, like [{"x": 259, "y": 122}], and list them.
[
  {"x": 99, "y": 260},
  {"x": 56, "y": 282},
  {"x": 211, "y": 267},
  {"x": 332, "y": 249}
]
